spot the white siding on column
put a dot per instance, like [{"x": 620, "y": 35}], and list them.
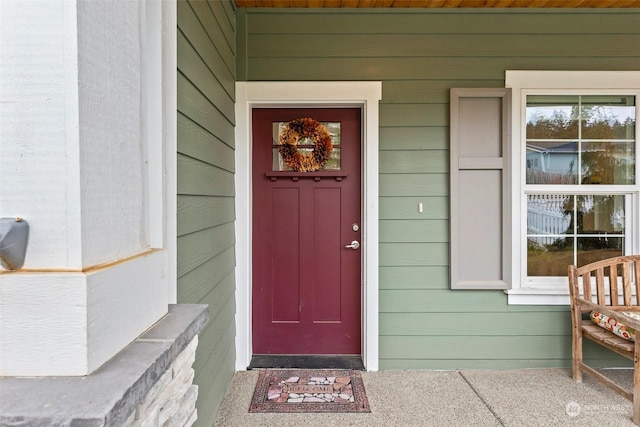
[
  {"x": 39, "y": 165},
  {"x": 110, "y": 130},
  {"x": 84, "y": 161}
]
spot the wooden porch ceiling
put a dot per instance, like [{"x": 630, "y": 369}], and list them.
[{"x": 441, "y": 3}]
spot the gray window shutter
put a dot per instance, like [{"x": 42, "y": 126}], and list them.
[{"x": 480, "y": 188}]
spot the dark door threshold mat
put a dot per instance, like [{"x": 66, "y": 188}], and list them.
[
  {"x": 322, "y": 390},
  {"x": 266, "y": 361}
]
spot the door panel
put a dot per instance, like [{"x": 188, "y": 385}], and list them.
[
  {"x": 285, "y": 238},
  {"x": 327, "y": 248},
  {"x": 306, "y": 292}
]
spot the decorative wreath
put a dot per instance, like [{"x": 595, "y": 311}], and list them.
[{"x": 305, "y": 128}]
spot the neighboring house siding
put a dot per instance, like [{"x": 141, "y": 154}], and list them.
[
  {"x": 419, "y": 55},
  {"x": 206, "y": 260}
]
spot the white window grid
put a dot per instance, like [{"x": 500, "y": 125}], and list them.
[{"x": 554, "y": 290}]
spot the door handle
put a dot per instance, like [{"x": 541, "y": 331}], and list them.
[{"x": 354, "y": 245}]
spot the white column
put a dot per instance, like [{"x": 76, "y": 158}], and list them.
[{"x": 83, "y": 158}]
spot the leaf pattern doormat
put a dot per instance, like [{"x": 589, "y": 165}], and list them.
[{"x": 280, "y": 390}]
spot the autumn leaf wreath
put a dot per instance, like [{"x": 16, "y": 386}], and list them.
[{"x": 300, "y": 129}]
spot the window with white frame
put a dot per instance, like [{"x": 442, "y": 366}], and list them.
[{"x": 575, "y": 186}]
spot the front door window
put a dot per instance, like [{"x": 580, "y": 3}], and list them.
[{"x": 306, "y": 145}]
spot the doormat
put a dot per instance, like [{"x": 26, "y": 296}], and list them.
[{"x": 279, "y": 390}]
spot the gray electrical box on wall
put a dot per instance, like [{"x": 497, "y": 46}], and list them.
[
  {"x": 14, "y": 236},
  {"x": 480, "y": 185}
]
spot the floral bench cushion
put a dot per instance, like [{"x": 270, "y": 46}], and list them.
[{"x": 612, "y": 325}]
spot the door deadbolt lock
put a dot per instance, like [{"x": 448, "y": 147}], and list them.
[{"x": 355, "y": 227}]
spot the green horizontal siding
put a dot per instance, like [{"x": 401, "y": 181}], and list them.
[
  {"x": 470, "y": 22},
  {"x": 436, "y": 91},
  {"x": 480, "y": 324},
  {"x": 414, "y": 138},
  {"x": 453, "y": 45},
  {"x": 206, "y": 166},
  {"x": 199, "y": 178},
  {"x": 202, "y": 110},
  {"x": 441, "y": 301},
  {"x": 394, "y": 231},
  {"x": 410, "y": 115},
  {"x": 414, "y": 161},
  {"x": 407, "y": 208},
  {"x": 397, "y": 254},
  {"x": 201, "y": 30},
  {"x": 197, "y": 248},
  {"x": 213, "y": 376},
  {"x": 413, "y": 277},
  {"x": 199, "y": 144},
  {"x": 198, "y": 72},
  {"x": 497, "y": 352},
  {"x": 200, "y": 212},
  {"x": 419, "y": 55},
  {"x": 456, "y": 363},
  {"x": 409, "y": 68},
  {"x": 414, "y": 184},
  {"x": 214, "y": 17},
  {"x": 598, "y": 357},
  {"x": 199, "y": 282},
  {"x": 468, "y": 347}
]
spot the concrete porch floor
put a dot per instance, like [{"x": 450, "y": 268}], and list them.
[{"x": 530, "y": 397}]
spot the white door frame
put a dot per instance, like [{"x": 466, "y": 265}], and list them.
[{"x": 364, "y": 95}]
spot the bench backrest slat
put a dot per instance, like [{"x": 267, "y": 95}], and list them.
[
  {"x": 636, "y": 274},
  {"x": 600, "y": 291},
  {"x": 613, "y": 284},
  {"x": 626, "y": 282},
  {"x": 619, "y": 271},
  {"x": 586, "y": 284}
]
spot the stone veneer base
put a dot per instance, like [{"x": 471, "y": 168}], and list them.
[{"x": 147, "y": 383}]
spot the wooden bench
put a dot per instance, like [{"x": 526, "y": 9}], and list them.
[{"x": 608, "y": 287}]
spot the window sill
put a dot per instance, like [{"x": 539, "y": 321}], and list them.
[{"x": 537, "y": 296}]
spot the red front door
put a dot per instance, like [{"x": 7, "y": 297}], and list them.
[{"x": 306, "y": 284}]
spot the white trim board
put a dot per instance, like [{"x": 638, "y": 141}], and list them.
[
  {"x": 365, "y": 95},
  {"x": 551, "y": 291}
]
